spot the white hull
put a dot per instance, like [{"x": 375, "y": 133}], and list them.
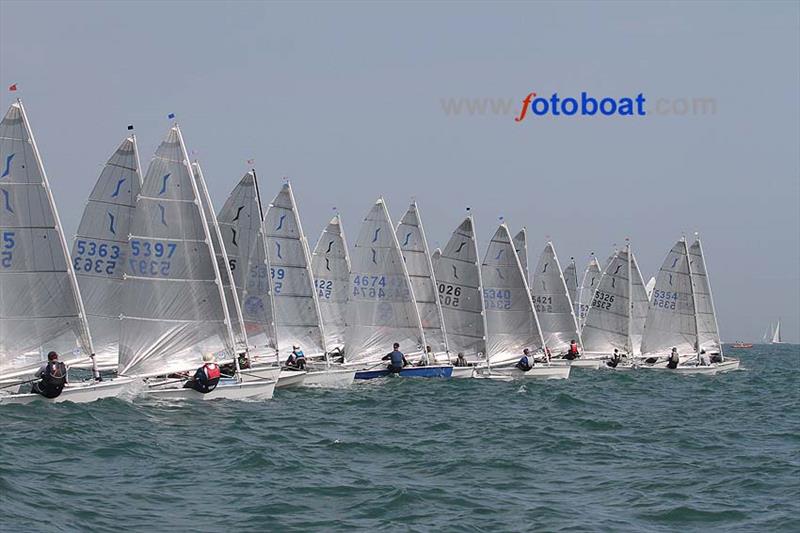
[
  {"x": 74, "y": 392},
  {"x": 227, "y": 389},
  {"x": 292, "y": 378},
  {"x": 260, "y": 372},
  {"x": 463, "y": 372},
  {"x": 727, "y": 365},
  {"x": 592, "y": 364},
  {"x": 333, "y": 378},
  {"x": 537, "y": 372}
]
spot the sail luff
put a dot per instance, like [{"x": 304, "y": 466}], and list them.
[
  {"x": 273, "y": 325},
  {"x": 86, "y": 339},
  {"x": 694, "y": 300}
]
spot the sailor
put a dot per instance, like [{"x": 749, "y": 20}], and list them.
[
  {"x": 704, "y": 359},
  {"x": 525, "y": 362},
  {"x": 615, "y": 359},
  {"x": 573, "y": 352},
  {"x": 53, "y": 376},
  {"x": 461, "y": 360},
  {"x": 716, "y": 357},
  {"x": 297, "y": 359},
  {"x": 206, "y": 377},
  {"x": 396, "y": 359},
  {"x": 674, "y": 359}
]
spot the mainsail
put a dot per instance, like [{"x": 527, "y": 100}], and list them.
[
  {"x": 458, "y": 279},
  {"x": 241, "y": 224},
  {"x": 707, "y": 329},
  {"x": 591, "y": 277},
  {"x": 618, "y": 309},
  {"x": 40, "y": 308},
  {"x": 571, "y": 278},
  {"x": 381, "y": 310},
  {"x": 671, "y": 320},
  {"x": 776, "y": 334},
  {"x": 100, "y": 249},
  {"x": 297, "y": 314},
  {"x": 511, "y": 320},
  {"x": 414, "y": 247},
  {"x": 552, "y": 303},
  {"x": 521, "y": 247},
  {"x": 173, "y": 307},
  {"x": 330, "y": 265}
]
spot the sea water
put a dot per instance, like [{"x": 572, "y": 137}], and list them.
[{"x": 602, "y": 451}]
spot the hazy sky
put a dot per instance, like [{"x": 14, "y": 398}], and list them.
[{"x": 347, "y": 100}]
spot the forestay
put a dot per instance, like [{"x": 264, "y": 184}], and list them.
[
  {"x": 173, "y": 306},
  {"x": 552, "y": 303},
  {"x": 297, "y": 315},
  {"x": 671, "y": 314},
  {"x": 100, "y": 249},
  {"x": 521, "y": 247},
  {"x": 40, "y": 308},
  {"x": 241, "y": 225},
  {"x": 708, "y": 331},
  {"x": 330, "y": 265},
  {"x": 458, "y": 278},
  {"x": 591, "y": 277},
  {"x": 381, "y": 310},
  {"x": 414, "y": 247},
  {"x": 511, "y": 320}
]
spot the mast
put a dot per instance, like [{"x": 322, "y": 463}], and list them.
[
  {"x": 273, "y": 329},
  {"x": 629, "y": 346},
  {"x": 694, "y": 300},
  {"x": 207, "y": 234},
  {"x": 87, "y": 337},
  {"x": 480, "y": 287},
  {"x": 236, "y": 304}
]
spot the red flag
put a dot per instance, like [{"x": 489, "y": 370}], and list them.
[{"x": 12, "y": 87}]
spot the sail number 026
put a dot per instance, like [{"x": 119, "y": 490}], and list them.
[{"x": 449, "y": 294}]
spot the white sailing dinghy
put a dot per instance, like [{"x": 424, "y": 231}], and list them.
[
  {"x": 571, "y": 278},
  {"x": 591, "y": 277},
  {"x": 618, "y": 310},
  {"x": 776, "y": 333},
  {"x": 174, "y": 308},
  {"x": 100, "y": 249},
  {"x": 414, "y": 247},
  {"x": 330, "y": 264},
  {"x": 41, "y": 308},
  {"x": 512, "y": 323},
  {"x": 458, "y": 279},
  {"x": 382, "y": 308},
  {"x": 680, "y": 314},
  {"x": 554, "y": 308}
]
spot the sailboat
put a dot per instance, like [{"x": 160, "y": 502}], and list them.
[
  {"x": 174, "y": 308},
  {"x": 591, "y": 277},
  {"x": 41, "y": 308},
  {"x": 554, "y": 307},
  {"x": 458, "y": 278},
  {"x": 330, "y": 264},
  {"x": 776, "y": 334},
  {"x": 618, "y": 310},
  {"x": 681, "y": 313},
  {"x": 414, "y": 247},
  {"x": 382, "y": 308},
  {"x": 512, "y": 323},
  {"x": 100, "y": 249}
]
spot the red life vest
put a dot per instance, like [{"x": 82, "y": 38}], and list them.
[
  {"x": 573, "y": 348},
  {"x": 212, "y": 371}
]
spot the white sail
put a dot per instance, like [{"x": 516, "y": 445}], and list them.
[
  {"x": 552, "y": 303},
  {"x": 650, "y": 286},
  {"x": 437, "y": 253},
  {"x": 100, "y": 249},
  {"x": 381, "y": 310},
  {"x": 297, "y": 315},
  {"x": 776, "y": 334},
  {"x": 458, "y": 279},
  {"x": 618, "y": 309},
  {"x": 224, "y": 264},
  {"x": 330, "y": 264},
  {"x": 414, "y": 247},
  {"x": 173, "y": 307},
  {"x": 243, "y": 238},
  {"x": 571, "y": 278},
  {"x": 511, "y": 320},
  {"x": 40, "y": 308},
  {"x": 707, "y": 328},
  {"x": 671, "y": 314},
  {"x": 591, "y": 277},
  {"x": 521, "y": 247}
]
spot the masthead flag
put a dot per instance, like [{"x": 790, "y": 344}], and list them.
[{"x": 12, "y": 87}]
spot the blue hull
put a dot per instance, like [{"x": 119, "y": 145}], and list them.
[{"x": 409, "y": 372}]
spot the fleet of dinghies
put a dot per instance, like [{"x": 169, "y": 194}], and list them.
[{"x": 157, "y": 281}]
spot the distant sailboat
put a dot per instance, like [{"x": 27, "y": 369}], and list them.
[
  {"x": 41, "y": 307},
  {"x": 776, "y": 334},
  {"x": 414, "y": 246},
  {"x": 100, "y": 249}
]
